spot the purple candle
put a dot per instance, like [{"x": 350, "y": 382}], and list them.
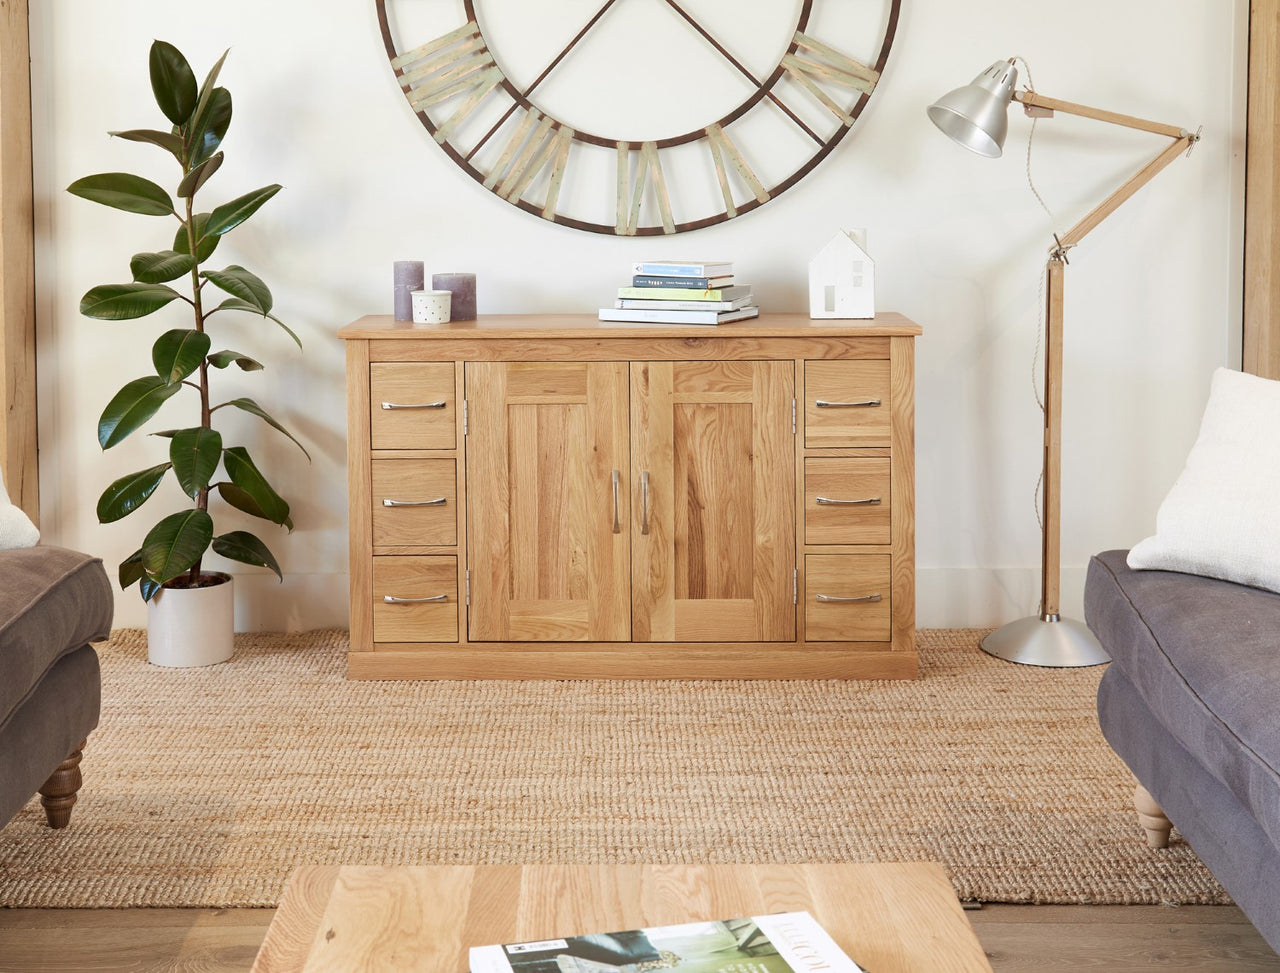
[
  {"x": 409, "y": 276},
  {"x": 463, "y": 288}
]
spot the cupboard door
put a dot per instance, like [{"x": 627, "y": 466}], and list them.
[
  {"x": 713, "y": 501},
  {"x": 548, "y": 548}
]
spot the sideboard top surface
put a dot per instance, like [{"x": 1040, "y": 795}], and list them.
[{"x": 789, "y": 325}]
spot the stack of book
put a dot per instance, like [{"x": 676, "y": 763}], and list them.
[{"x": 682, "y": 292}]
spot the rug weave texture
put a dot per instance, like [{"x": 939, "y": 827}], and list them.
[{"x": 206, "y": 787}]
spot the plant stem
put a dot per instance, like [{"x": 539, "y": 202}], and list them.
[{"x": 202, "y": 497}]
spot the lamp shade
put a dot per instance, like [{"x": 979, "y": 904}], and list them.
[{"x": 977, "y": 115}]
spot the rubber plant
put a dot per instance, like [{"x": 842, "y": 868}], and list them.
[{"x": 183, "y": 358}]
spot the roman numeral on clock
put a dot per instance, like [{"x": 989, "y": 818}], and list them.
[
  {"x": 456, "y": 63},
  {"x": 722, "y": 148},
  {"x": 536, "y": 143},
  {"x": 631, "y": 192},
  {"x": 815, "y": 64}
]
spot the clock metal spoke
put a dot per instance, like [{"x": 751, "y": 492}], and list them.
[
  {"x": 723, "y": 52},
  {"x": 569, "y": 47}
]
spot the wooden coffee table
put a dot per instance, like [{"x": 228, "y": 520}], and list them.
[{"x": 887, "y": 917}]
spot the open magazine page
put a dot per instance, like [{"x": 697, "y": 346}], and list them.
[{"x": 789, "y": 942}]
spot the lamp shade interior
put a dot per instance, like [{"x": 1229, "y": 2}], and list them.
[{"x": 977, "y": 115}]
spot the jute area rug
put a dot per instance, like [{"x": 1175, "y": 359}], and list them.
[{"x": 205, "y": 787}]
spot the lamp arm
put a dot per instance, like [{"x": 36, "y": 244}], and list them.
[{"x": 1182, "y": 141}]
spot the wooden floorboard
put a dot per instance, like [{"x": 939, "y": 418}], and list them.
[{"x": 1017, "y": 938}]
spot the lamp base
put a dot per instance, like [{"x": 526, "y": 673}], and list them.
[{"x": 1036, "y": 642}]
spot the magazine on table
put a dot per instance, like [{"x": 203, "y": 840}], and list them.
[{"x": 786, "y": 942}]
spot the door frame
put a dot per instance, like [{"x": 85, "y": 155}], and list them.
[{"x": 1262, "y": 194}]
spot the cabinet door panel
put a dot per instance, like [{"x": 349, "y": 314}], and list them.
[
  {"x": 543, "y": 441},
  {"x": 713, "y": 481}
]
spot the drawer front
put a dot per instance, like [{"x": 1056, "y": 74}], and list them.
[
  {"x": 847, "y": 598},
  {"x": 412, "y": 405},
  {"x": 415, "y": 502},
  {"x": 414, "y": 580},
  {"x": 846, "y": 500},
  {"x": 847, "y": 403}
]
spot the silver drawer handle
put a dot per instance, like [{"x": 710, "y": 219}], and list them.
[
  {"x": 393, "y": 600},
  {"x": 869, "y": 501},
  {"x": 833, "y": 598},
  {"x": 824, "y": 404},
  {"x": 438, "y": 501},
  {"x": 420, "y": 405}
]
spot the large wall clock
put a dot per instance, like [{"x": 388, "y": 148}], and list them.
[{"x": 638, "y": 117}]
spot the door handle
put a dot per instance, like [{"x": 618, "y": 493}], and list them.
[
  {"x": 846, "y": 600},
  {"x": 617, "y": 526},
  {"x": 438, "y": 501},
  {"x": 644, "y": 502},
  {"x": 413, "y": 405},
  {"x": 869, "y": 501},
  {"x": 393, "y": 600},
  {"x": 824, "y": 404}
]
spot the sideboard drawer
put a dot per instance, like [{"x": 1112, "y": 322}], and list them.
[
  {"x": 847, "y": 598},
  {"x": 847, "y": 403},
  {"x": 412, "y": 405},
  {"x": 847, "y": 500},
  {"x": 425, "y": 590},
  {"x": 415, "y": 502}
]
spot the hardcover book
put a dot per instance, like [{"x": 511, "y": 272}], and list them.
[
  {"x": 701, "y": 283},
  {"x": 685, "y": 294},
  {"x": 662, "y": 305},
  {"x": 683, "y": 268},
  {"x": 658, "y": 316},
  {"x": 787, "y": 942}
]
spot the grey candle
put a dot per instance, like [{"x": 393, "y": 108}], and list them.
[
  {"x": 462, "y": 306},
  {"x": 409, "y": 277}
]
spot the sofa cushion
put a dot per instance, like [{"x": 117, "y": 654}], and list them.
[
  {"x": 1205, "y": 657},
  {"x": 52, "y": 601}
]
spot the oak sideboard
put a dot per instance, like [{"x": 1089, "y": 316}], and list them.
[{"x": 553, "y": 497}]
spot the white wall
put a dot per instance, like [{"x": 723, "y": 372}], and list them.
[{"x": 1153, "y": 295}]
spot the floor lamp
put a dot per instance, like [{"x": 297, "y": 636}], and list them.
[{"x": 976, "y": 116}]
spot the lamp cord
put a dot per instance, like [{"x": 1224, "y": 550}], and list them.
[{"x": 1035, "y": 355}]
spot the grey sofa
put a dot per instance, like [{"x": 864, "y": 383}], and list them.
[
  {"x": 53, "y": 602},
  {"x": 1191, "y": 703}
]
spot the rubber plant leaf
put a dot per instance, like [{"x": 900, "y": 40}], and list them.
[
  {"x": 195, "y": 454},
  {"x": 249, "y": 478},
  {"x": 166, "y": 140},
  {"x": 172, "y": 82},
  {"x": 122, "y": 302},
  {"x": 205, "y": 245},
  {"x": 236, "y": 304},
  {"x": 230, "y": 215},
  {"x": 248, "y": 405},
  {"x": 176, "y": 543},
  {"x": 237, "y": 498},
  {"x": 198, "y": 176},
  {"x": 223, "y": 359},
  {"x": 193, "y": 135},
  {"x": 123, "y": 190},
  {"x": 241, "y": 283},
  {"x": 160, "y": 267},
  {"x": 127, "y": 494},
  {"x": 219, "y": 120},
  {"x": 131, "y": 569},
  {"x": 240, "y": 545},
  {"x": 178, "y": 353},
  {"x": 131, "y": 407}
]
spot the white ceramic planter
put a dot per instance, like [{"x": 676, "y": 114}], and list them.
[{"x": 191, "y": 626}]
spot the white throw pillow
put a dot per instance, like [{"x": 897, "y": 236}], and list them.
[
  {"x": 16, "y": 528},
  {"x": 1221, "y": 519}
]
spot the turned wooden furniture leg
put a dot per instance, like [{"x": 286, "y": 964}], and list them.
[
  {"x": 58, "y": 795},
  {"x": 1152, "y": 818}
]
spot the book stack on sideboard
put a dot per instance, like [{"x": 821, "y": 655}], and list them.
[{"x": 682, "y": 292}]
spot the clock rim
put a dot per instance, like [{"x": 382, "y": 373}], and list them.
[{"x": 463, "y": 161}]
